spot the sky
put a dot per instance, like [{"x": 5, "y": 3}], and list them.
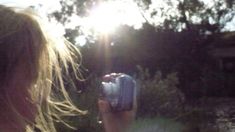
[
  {"x": 103, "y": 19},
  {"x": 48, "y": 4},
  {"x": 51, "y": 5}
]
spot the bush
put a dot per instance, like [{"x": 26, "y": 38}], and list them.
[{"x": 158, "y": 96}]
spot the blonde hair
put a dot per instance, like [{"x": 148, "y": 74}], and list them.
[{"x": 34, "y": 63}]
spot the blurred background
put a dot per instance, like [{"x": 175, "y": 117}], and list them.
[{"x": 181, "y": 53}]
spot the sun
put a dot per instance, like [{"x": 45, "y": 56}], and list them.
[{"x": 107, "y": 16}]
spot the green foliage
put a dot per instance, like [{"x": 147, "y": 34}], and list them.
[
  {"x": 176, "y": 15},
  {"x": 158, "y": 96},
  {"x": 213, "y": 82},
  {"x": 88, "y": 100},
  {"x": 161, "y": 107},
  {"x": 84, "y": 100},
  {"x": 199, "y": 118},
  {"x": 156, "y": 125}
]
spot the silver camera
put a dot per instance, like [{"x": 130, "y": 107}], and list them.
[{"x": 119, "y": 90}]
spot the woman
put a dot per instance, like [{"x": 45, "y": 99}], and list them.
[{"x": 32, "y": 63}]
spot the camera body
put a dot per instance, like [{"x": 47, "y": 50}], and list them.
[{"x": 119, "y": 90}]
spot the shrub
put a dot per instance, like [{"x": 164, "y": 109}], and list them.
[{"x": 158, "y": 96}]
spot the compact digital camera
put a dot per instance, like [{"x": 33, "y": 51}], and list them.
[{"x": 119, "y": 90}]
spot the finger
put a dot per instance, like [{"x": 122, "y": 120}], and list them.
[{"x": 104, "y": 106}]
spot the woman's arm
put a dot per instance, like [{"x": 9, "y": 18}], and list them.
[{"x": 115, "y": 121}]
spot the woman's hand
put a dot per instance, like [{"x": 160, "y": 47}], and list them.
[{"x": 115, "y": 121}]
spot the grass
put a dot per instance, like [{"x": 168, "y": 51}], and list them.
[{"x": 156, "y": 125}]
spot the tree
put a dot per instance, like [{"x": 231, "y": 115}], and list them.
[
  {"x": 210, "y": 16},
  {"x": 179, "y": 42}
]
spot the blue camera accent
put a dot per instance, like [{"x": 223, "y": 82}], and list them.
[{"x": 120, "y": 91}]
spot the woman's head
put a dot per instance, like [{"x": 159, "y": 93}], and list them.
[
  {"x": 21, "y": 41},
  {"x": 31, "y": 61}
]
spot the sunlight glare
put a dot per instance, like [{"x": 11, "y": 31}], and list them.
[
  {"x": 81, "y": 40},
  {"x": 106, "y": 17}
]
